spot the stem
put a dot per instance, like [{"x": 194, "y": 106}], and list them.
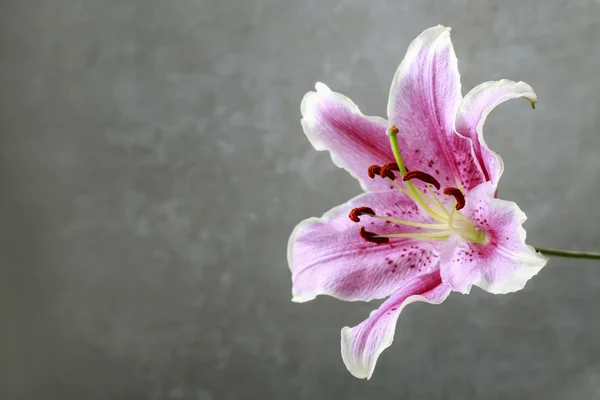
[{"x": 568, "y": 253}]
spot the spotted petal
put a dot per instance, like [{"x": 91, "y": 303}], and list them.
[
  {"x": 501, "y": 265},
  {"x": 332, "y": 122},
  {"x": 362, "y": 344},
  {"x": 423, "y": 101},
  {"x": 476, "y": 106},
  {"x": 328, "y": 256}
]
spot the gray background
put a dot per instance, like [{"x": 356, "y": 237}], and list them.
[{"x": 153, "y": 165}]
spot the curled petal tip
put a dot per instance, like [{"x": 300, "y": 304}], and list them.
[
  {"x": 321, "y": 87},
  {"x": 532, "y": 101}
]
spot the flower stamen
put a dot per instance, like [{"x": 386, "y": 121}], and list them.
[
  {"x": 411, "y": 223},
  {"x": 373, "y": 171},
  {"x": 437, "y": 200},
  {"x": 372, "y": 237},
  {"x": 451, "y": 217},
  {"x": 421, "y": 199},
  {"x": 355, "y": 213},
  {"x": 387, "y": 170},
  {"x": 450, "y": 222},
  {"x": 415, "y": 194},
  {"x": 422, "y": 176},
  {"x": 458, "y": 195},
  {"x": 426, "y": 235}
]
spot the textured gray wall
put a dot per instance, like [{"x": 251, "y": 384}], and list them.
[{"x": 153, "y": 165}]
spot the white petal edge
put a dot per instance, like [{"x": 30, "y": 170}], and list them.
[
  {"x": 364, "y": 370},
  {"x": 530, "y": 261},
  {"x": 290, "y": 250},
  {"x": 427, "y": 38},
  {"x": 513, "y": 90},
  {"x": 297, "y": 229},
  {"x": 308, "y": 121}
]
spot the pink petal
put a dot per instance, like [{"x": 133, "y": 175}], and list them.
[
  {"x": 332, "y": 122},
  {"x": 424, "y": 98},
  {"x": 362, "y": 344},
  {"x": 327, "y": 256},
  {"x": 505, "y": 263},
  {"x": 475, "y": 108}
]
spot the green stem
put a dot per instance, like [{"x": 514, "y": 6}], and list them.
[{"x": 568, "y": 253}]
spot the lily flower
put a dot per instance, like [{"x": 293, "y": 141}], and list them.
[{"x": 428, "y": 222}]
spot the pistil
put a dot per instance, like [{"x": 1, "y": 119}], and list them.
[{"x": 392, "y": 132}]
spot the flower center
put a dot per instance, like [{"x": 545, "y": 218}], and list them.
[{"x": 449, "y": 219}]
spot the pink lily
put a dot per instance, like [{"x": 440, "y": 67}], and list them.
[{"x": 413, "y": 235}]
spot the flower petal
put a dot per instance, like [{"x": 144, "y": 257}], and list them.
[
  {"x": 505, "y": 263},
  {"x": 474, "y": 110},
  {"x": 423, "y": 101},
  {"x": 362, "y": 344},
  {"x": 332, "y": 122},
  {"x": 328, "y": 256}
]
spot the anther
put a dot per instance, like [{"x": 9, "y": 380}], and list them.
[
  {"x": 355, "y": 213},
  {"x": 392, "y": 130},
  {"x": 372, "y": 237},
  {"x": 422, "y": 176},
  {"x": 373, "y": 171},
  {"x": 458, "y": 195},
  {"x": 387, "y": 170}
]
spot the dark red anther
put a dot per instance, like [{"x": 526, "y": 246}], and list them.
[
  {"x": 458, "y": 195},
  {"x": 422, "y": 176},
  {"x": 373, "y": 171},
  {"x": 355, "y": 213},
  {"x": 372, "y": 237},
  {"x": 387, "y": 170}
]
